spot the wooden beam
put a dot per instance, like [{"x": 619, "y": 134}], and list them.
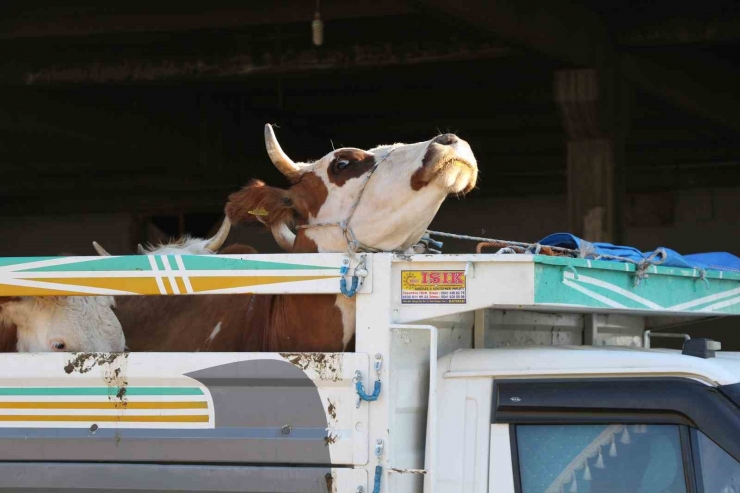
[
  {"x": 106, "y": 71},
  {"x": 682, "y": 31},
  {"x": 565, "y": 31},
  {"x": 90, "y": 18},
  {"x": 89, "y": 202},
  {"x": 14, "y": 185},
  {"x": 694, "y": 85},
  {"x": 572, "y": 33},
  {"x": 592, "y": 153}
]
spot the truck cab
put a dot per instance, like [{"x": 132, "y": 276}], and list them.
[{"x": 587, "y": 419}]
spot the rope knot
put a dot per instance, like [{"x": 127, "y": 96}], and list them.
[
  {"x": 644, "y": 264},
  {"x": 535, "y": 249},
  {"x": 702, "y": 277}
]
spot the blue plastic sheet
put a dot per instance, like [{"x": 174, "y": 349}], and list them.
[{"x": 666, "y": 257}]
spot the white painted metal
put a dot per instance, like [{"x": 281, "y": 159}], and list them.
[
  {"x": 401, "y": 473},
  {"x": 462, "y": 429},
  {"x": 347, "y": 480},
  {"x": 374, "y": 337},
  {"x": 577, "y": 361},
  {"x": 319, "y": 270},
  {"x": 500, "y": 472}
]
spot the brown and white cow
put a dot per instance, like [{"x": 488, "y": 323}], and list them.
[
  {"x": 214, "y": 323},
  {"x": 398, "y": 203},
  {"x": 388, "y": 195},
  {"x": 59, "y": 323}
]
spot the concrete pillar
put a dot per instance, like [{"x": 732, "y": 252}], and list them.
[{"x": 592, "y": 113}]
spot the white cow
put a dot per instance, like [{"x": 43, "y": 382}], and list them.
[
  {"x": 59, "y": 323},
  {"x": 382, "y": 199}
]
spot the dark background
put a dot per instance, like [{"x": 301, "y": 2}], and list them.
[{"x": 128, "y": 122}]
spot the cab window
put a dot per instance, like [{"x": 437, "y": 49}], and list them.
[
  {"x": 716, "y": 471},
  {"x": 616, "y": 458}
]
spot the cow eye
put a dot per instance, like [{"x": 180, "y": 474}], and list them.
[
  {"x": 342, "y": 163},
  {"x": 58, "y": 345}
]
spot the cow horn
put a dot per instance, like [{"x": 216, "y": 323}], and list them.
[
  {"x": 281, "y": 160},
  {"x": 284, "y": 236},
  {"x": 101, "y": 251},
  {"x": 217, "y": 241}
]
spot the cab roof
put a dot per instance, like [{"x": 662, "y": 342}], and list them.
[{"x": 601, "y": 361}]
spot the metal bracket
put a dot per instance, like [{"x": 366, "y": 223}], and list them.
[
  {"x": 571, "y": 269},
  {"x": 379, "y": 448},
  {"x": 378, "y": 363},
  {"x": 358, "y": 277}
]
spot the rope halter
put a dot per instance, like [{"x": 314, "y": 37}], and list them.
[{"x": 354, "y": 246}]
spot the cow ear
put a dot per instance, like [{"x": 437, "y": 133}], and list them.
[
  {"x": 5, "y": 318},
  {"x": 259, "y": 202}
]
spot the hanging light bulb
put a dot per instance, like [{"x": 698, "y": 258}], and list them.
[{"x": 317, "y": 27}]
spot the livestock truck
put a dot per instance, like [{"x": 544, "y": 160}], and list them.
[{"x": 505, "y": 373}]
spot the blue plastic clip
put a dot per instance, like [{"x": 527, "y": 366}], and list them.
[
  {"x": 343, "y": 286},
  {"x": 343, "y": 282},
  {"x": 364, "y": 396}
]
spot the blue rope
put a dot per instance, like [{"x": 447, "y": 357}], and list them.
[
  {"x": 364, "y": 396},
  {"x": 378, "y": 475},
  {"x": 343, "y": 282},
  {"x": 343, "y": 286}
]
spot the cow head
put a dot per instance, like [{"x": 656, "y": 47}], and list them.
[
  {"x": 398, "y": 201},
  {"x": 63, "y": 323}
]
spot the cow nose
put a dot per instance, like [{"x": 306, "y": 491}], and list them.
[{"x": 446, "y": 139}]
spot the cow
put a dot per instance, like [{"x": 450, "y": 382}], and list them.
[
  {"x": 382, "y": 199},
  {"x": 409, "y": 183},
  {"x": 59, "y": 324},
  {"x": 188, "y": 323}
]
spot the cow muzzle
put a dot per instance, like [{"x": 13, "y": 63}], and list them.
[{"x": 449, "y": 161}]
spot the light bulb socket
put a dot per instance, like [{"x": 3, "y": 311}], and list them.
[{"x": 317, "y": 29}]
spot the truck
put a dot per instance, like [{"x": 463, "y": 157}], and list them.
[{"x": 500, "y": 373}]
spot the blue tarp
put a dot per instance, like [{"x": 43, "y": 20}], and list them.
[{"x": 709, "y": 261}]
